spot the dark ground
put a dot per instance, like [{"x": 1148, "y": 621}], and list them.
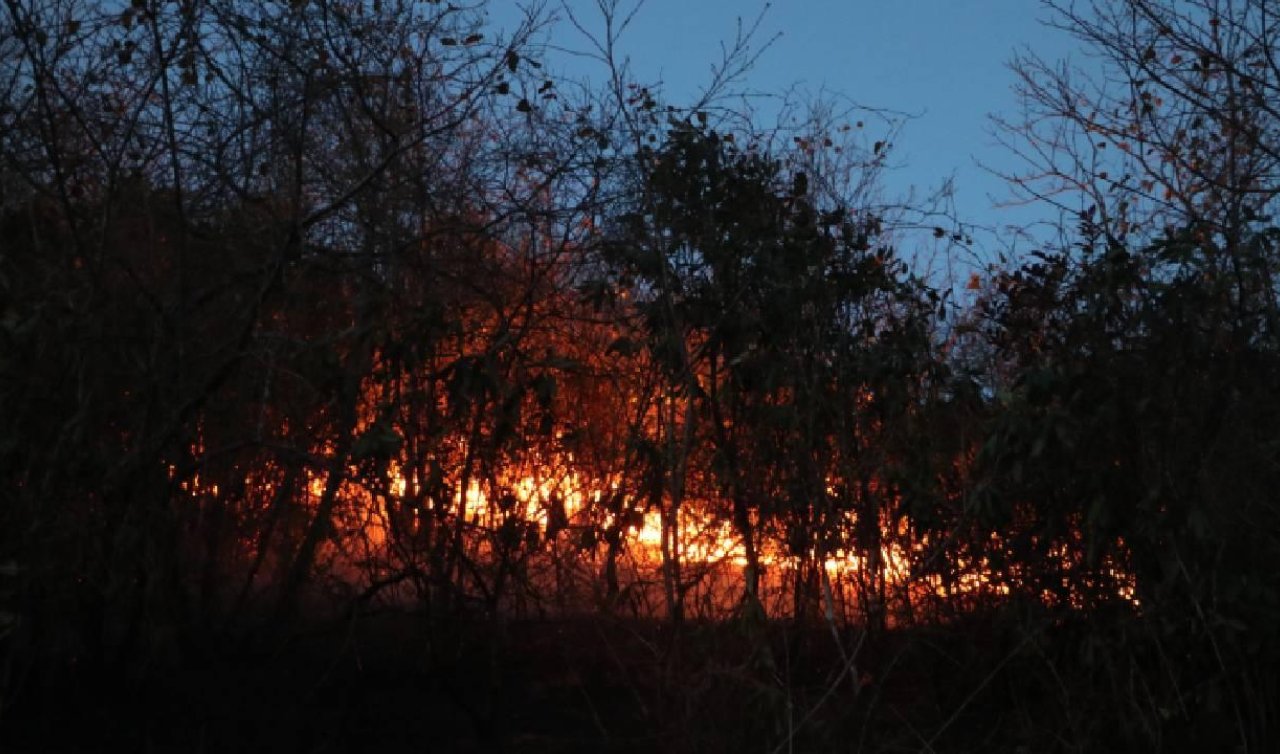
[{"x": 396, "y": 683}]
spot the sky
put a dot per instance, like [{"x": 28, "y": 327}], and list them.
[{"x": 944, "y": 63}]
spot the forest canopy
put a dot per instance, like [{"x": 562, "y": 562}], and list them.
[{"x": 313, "y": 313}]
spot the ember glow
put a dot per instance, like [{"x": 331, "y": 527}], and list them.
[{"x": 552, "y": 529}]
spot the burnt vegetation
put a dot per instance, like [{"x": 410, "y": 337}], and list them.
[{"x": 364, "y": 385}]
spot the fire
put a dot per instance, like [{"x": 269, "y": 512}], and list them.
[
  {"x": 703, "y": 541},
  {"x": 549, "y": 523},
  {"x": 462, "y": 478}
]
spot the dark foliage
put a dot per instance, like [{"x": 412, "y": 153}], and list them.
[{"x": 362, "y": 386}]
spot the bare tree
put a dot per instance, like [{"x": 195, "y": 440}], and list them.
[{"x": 1168, "y": 120}]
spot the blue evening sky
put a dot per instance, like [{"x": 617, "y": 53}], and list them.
[{"x": 943, "y": 62}]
